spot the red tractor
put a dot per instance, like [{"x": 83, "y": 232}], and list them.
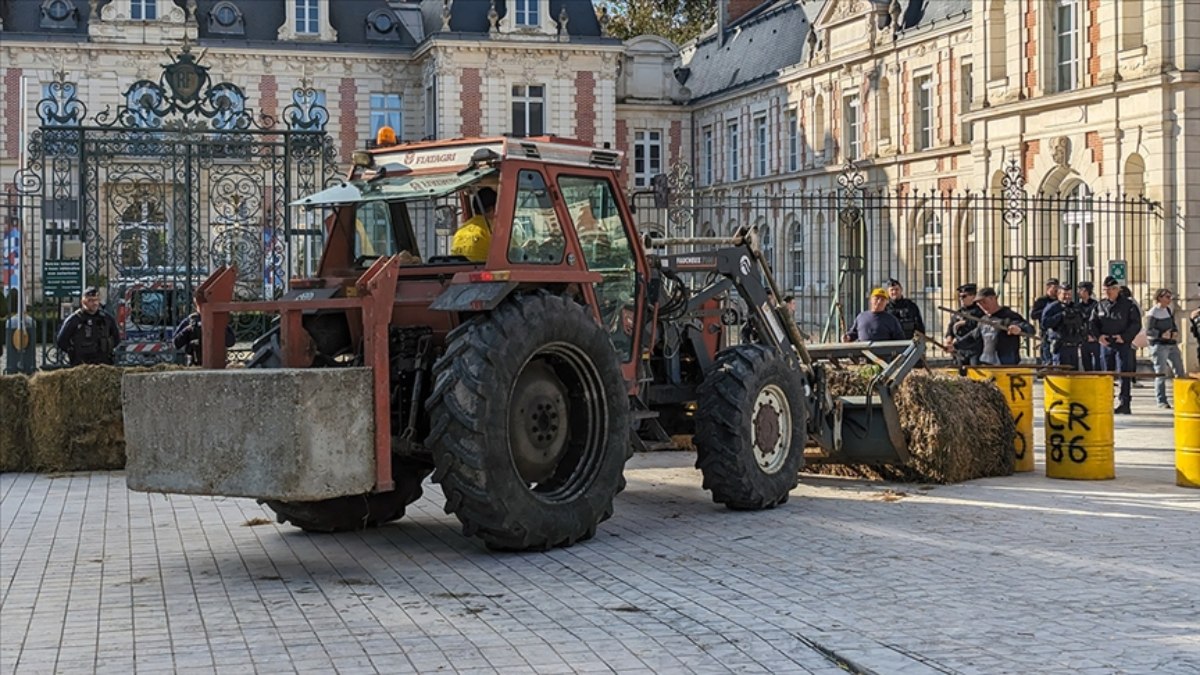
[{"x": 522, "y": 382}]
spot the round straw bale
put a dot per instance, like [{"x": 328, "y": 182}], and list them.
[{"x": 14, "y": 423}]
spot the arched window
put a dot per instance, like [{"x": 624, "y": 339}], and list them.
[
  {"x": 767, "y": 242},
  {"x": 1135, "y": 233},
  {"x": 1079, "y": 229},
  {"x": 819, "y": 127},
  {"x": 997, "y": 41},
  {"x": 1132, "y": 24},
  {"x": 885, "y": 110}
]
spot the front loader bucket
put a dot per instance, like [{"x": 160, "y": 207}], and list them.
[
  {"x": 866, "y": 429},
  {"x": 285, "y": 434}
]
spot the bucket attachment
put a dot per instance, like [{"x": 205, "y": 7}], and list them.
[
  {"x": 283, "y": 434},
  {"x": 864, "y": 429}
]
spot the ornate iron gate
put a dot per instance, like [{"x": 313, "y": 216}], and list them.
[{"x": 149, "y": 196}]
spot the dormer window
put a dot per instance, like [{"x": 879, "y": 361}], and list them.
[
  {"x": 307, "y": 20},
  {"x": 143, "y": 10},
  {"x": 526, "y": 12},
  {"x": 308, "y": 16},
  {"x": 226, "y": 19}
]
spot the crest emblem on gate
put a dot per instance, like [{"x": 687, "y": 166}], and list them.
[{"x": 186, "y": 77}]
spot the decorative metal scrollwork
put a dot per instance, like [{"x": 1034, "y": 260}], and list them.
[
  {"x": 61, "y": 106},
  {"x": 307, "y": 111},
  {"x": 680, "y": 182},
  {"x": 1012, "y": 186}
]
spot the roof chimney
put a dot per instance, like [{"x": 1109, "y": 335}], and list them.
[{"x": 739, "y": 8}]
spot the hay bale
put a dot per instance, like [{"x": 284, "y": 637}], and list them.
[
  {"x": 77, "y": 424},
  {"x": 15, "y": 440},
  {"x": 957, "y": 429}
]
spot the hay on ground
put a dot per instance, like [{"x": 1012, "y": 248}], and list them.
[
  {"x": 76, "y": 419},
  {"x": 14, "y": 423},
  {"x": 957, "y": 429}
]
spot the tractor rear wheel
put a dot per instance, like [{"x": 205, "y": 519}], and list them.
[
  {"x": 530, "y": 424},
  {"x": 356, "y": 512},
  {"x": 751, "y": 427}
]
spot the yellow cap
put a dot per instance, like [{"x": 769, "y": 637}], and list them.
[{"x": 879, "y": 293}]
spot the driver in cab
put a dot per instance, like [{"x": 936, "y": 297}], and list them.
[{"x": 474, "y": 238}]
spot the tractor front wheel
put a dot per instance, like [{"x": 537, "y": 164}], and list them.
[
  {"x": 530, "y": 424},
  {"x": 751, "y": 427}
]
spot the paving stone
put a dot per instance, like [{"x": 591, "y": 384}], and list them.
[{"x": 1013, "y": 574}]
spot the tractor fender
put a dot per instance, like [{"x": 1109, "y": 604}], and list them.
[{"x": 479, "y": 296}]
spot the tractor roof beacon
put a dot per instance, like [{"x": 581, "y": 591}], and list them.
[{"x": 522, "y": 382}]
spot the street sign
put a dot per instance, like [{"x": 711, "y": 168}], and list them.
[
  {"x": 62, "y": 278},
  {"x": 1116, "y": 270}
]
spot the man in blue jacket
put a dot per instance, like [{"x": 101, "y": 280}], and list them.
[
  {"x": 1066, "y": 328},
  {"x": 1115, "y": 322}
]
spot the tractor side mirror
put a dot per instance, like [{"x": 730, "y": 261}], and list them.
[
  {"x": 445, "y": 218},
  {"x": 662, "y": 191}
]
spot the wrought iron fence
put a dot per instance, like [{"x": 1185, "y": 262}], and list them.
[
  {"x": 144, "y": 199},
  {"x": 830, "y": 248}
]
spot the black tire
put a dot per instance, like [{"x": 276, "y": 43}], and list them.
[
  {"x": 356, "y": 512},
  {"x": 536, "y": 359},
  {"x": 750, "y": 398},
  {"x": 353, "y": 512}
]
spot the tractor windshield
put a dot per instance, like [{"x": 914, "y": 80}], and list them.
[{"x": 403, "y": 212}]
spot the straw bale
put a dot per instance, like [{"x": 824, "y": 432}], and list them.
[
  {"x": 957, "y": 429},
  {"x": 76, "y": 420},
  {"x": 14, "y": 423}
]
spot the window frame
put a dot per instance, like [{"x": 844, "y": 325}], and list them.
[
  {"x": 966, "y": 93},
  {"x": 645, "y": 164},
  {"x": 852, "y": 127},
  {"x": 708, "y": 152},
  {"x": 143, "y": 10},
  {"x": 733, "y": 150},
  {"x": 526, "y": 13},
  {"x": 381, "y": 107},
  {"x": 307, "y": 14},
  {"x": 762, "y": 145},
  {"x": 923, "y": 115},
  {"x": 525, "y": 100},
  {"x": 1067, "y": 64},
  {"x": 792, "y": 121},
  {"x": 932, "y": 245}
]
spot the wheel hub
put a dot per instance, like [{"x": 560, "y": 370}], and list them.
[
  {"x": 770, "y": 427},
  {"x": 538, "y": 423}
]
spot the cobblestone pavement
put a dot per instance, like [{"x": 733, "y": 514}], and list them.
[{"x": 1020, "y": 574}]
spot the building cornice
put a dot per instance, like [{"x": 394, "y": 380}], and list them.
[{"x": 1090, "y": 95}]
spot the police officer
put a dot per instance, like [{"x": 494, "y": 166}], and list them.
[
  {"x": 1066, "y": 328},
  {"x": 89, "y": 335},
  {"x": 1089, "y": 352},
  {"x": 961, "y": 335},
  {"x": 1115, "y": 323},
  {"x": 187, "y": 337},
  {"x": 1035, "y": 315},
  {"x": 905, "y": 310}
]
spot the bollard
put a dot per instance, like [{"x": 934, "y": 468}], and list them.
[
  {"x": 1079, "y": 427},
  {"x": 1187, "y": 433},
  {"x": 1017, "y": 386}
]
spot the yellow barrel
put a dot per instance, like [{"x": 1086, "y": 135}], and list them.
[
  {"x": 1187, "y": 433},
  {"x": 1079, "y": 427},
  {"x": 1017, "y": 386}
]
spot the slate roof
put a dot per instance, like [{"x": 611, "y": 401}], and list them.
[
  {"x": 261, "y": 18},
  {"x": 470, "y": 16},
  {"x": 774, "y": 36}
]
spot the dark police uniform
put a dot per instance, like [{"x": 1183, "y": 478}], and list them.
[
  {"x": 1090, "y": 351},
  {"x": 1035, "y": 316},
  {"x": 909, "y": 316},
  {"x": 88, "y": 338},
  {"x": 1117, "y": 318},
  {"x": 187, "y": 338},
  {"x": 1066, "y": 331},
  {"x": 967, "y": 343}
]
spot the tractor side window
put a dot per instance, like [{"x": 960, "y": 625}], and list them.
[
  {"x": 606, "y": 250},
  {"x": 373, "y": 231},
  {"x": 537, "y": 235}
]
